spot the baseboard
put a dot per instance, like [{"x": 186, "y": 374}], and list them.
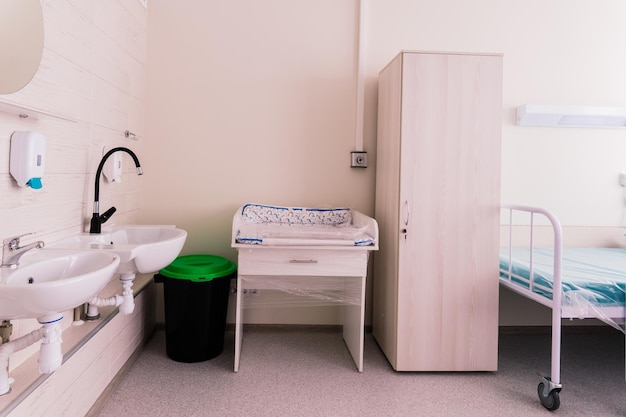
[
  {"x": 548, "y": 329},
  {"x": 230, "y": 327},
  {"x": 579, "y": 329}
]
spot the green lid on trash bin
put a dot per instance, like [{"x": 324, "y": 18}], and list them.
[{"x": 199, "y": 268}]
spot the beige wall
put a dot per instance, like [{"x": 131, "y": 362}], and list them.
[
  {"x": 254, "y": 101},
  {"x": 558, "y": 52},
  {"x": 249, "y": 101}
]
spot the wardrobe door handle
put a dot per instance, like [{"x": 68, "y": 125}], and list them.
[{"x": 407, "y": 212}]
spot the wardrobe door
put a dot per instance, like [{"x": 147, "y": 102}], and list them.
[{"x": 449, "y": 192}]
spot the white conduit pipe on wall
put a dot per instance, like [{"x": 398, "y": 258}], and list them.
[
  {"x": 360, "y": 80},
  {"x": 50, "y": 356}
]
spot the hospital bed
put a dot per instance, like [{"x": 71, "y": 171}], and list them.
[
  {"x": 590, "y": 281},
  {"x": 319, "y": 255}
]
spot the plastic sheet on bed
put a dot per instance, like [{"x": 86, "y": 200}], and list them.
[
  {"x": 275, "y": 225},
  {"x": 306, "y": 291},
  {"x": 593, "y": 279}
]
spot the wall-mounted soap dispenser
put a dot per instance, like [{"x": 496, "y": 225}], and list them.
[
  {"x": 28, "y": 150},
  {"x": 113, "y": 167}
]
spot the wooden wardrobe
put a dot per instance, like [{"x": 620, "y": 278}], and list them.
[{"x": 435, "y": 294}]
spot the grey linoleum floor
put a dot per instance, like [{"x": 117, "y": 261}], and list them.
[{"x": 309, "y": 372}]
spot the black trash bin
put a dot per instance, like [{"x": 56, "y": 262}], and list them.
[{"x": 196, "y": 290}]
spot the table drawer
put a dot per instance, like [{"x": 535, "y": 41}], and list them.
[{"x": 271, "y": 261}]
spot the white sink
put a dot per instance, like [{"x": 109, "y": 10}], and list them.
[
  {"x": 48, "y": 282},
  {"x": 142, "y": 249}
]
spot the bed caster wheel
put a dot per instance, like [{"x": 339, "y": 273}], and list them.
[{"x": 549, "y": 398}]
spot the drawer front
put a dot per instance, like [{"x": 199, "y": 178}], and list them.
[{"x": 272, "y": 261}]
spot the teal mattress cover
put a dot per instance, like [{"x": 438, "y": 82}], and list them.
[{"x": 596, "y": 275}]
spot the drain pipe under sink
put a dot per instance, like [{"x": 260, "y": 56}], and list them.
[
  {"x": 125, "y": 301},
  {"x": 50, "y": 356}
]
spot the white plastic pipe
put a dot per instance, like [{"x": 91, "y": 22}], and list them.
[
  {"x": 50, "y": 356},
  {"x": 95, "y": 302},
  {"x": 6, "y": 349},
  {"x": 125, "y": 301}
]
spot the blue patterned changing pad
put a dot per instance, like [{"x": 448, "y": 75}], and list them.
[{"x": 277, "y": 225}]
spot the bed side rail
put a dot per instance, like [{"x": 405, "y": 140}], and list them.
[{"x": 531, "y": 215}]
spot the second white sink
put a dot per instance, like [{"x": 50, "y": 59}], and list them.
[{"x": 141, "y": 248}]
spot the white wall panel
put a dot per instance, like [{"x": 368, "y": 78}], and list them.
[{"x": 85, "y": 76}]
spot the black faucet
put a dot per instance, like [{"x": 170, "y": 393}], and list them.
[{"x": 96, "y": 218}]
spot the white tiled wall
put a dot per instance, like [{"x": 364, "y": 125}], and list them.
[{"x": 92, "y": 76}]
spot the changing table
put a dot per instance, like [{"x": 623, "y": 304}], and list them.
[{"x": 286, "y": 248}]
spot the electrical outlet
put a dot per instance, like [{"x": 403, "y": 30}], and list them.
[
  {"x": 622, "y": 179},
  {"x": 359, "y": 159}
]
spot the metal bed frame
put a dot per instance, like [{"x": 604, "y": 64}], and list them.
[{"x": 549, "y": 387}]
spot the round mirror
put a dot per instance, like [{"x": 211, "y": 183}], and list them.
[{"x": 21, "y": 43}]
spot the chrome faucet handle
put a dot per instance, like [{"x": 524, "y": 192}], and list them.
[
  {"x": 14, "y": 242},
  {"x": 12, "y": 251}
]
